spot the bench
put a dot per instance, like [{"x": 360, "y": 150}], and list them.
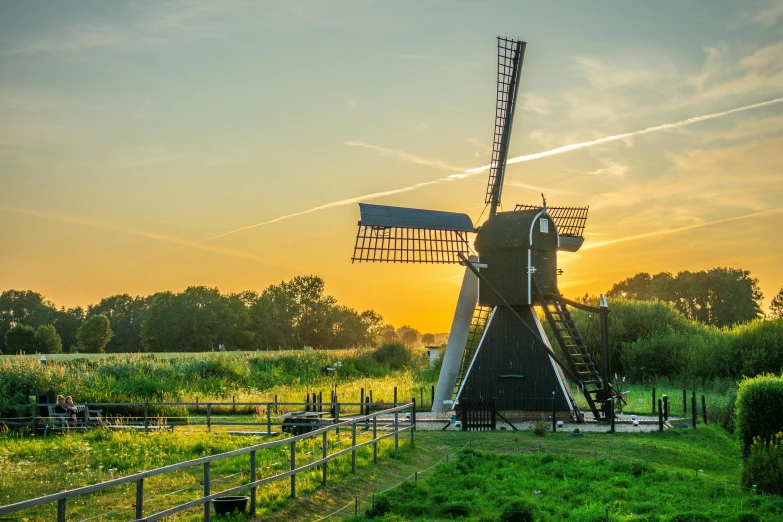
[{"x": 85, "y": 418}]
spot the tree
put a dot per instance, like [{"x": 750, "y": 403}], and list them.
[
  {"x": 776, "y": 306},
  {"x": 67, "y": 323},
  {"x": 20, "y": 338},
  {"x": 720, "y": 296},
  {"x": 94, "y": 334},
  {"x": 15, "y": 306},
  {"x": 126, "y": 315},
  {"x": 410, "y": 337},
  {"x": 48, "y": 340},
  {"x": 428, "y": 339}
]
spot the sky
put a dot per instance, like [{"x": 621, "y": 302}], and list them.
[{"x": 149, "y": 146}]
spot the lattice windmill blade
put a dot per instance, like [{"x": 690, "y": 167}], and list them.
[
  {"x": 408, "y": 235},
  {"x": 570, "y": 222},
  {"x": 510, "y": 55}
]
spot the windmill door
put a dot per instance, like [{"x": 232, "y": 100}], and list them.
[{"x": 544, "y": 270}]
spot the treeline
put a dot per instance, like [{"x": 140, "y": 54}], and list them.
[
  {"x": 718, "y": 297},
  {"x": 292, "y": 314},
  {"x": 652, "y": 339}
]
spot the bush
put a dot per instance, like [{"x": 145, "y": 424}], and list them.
[
  {"x": 395, "y": 354},
  {"x": 540, "y": 427},
  {"x": 763, "y": 469},
  {"x": 759, "y": 410},
  {"x": 517, "y": 510}
]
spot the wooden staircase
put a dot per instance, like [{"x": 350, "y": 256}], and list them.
[
  {"x": 478, "y": 324},
  {"x": 575, "y": 352}
]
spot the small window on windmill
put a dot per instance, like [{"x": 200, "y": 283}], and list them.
[{"x": 543, "y": 225}]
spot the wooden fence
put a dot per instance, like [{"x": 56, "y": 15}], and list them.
[{"x": 397, "y": 427}]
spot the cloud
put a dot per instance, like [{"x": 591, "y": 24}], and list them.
[
  {"x": 471, "y": 172},
  {"x": 404, "y": 156},
  {"x": 534, "y": 103},
  {"x": 660, "y": 233},
  {"x": 64, "y": 218},
  {"x": 610, "y": 169}
]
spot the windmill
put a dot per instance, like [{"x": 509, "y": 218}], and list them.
[{"x": 497, "y": 349}]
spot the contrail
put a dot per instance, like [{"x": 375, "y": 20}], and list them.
[
  {"x": 679, "y": 229},
  {"x": 63, "y": 218},
  {"x": 478, "y": 170}
]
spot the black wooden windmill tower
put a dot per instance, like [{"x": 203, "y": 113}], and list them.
[{"x": 497, "y": 351}]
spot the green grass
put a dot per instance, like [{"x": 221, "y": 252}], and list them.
[
  {"x": 45, "y": 465},
  {"x": 690, "y": 474}
]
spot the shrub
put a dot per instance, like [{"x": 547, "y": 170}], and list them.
[
  {"x": 517, "y": 510},
  {"x": 540, "y": 427},
  {"x": 758, "y": 410},
  {"x": 395, "y": 354},
  {"x": 763, "y": 469}
]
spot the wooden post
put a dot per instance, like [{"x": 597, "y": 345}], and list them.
[
  {"x": 323, "y": 456},
  {"x": 666, "y": 407},
  {"x": 196, "y": 404},
  {"x": 61, "y": 510},
  {"x": 336, "y": 413},
  {"x": 367, "y": 407},
  {"x": 353, "y": 445},
  {"x": 611, "y": 415},
  {"x": 293, "y": 467},
  {"x": 704, "y": 408},
  {"x": 355, "y": 506},
  {"x": 252, "y": 479},
  {"x": 371, "y": 403},
  {"x": 554, "y": 414},
  {"x": 660, "y": 415},
  {"x": 207, "y": 505},
  {"x": 421, "y": 395},
  {"x": 209, "y": 416},
  {"x": 361, "y": 401},
  {"x": 146, "y": 416},
  {"x": 395, "y": 396},
  {"x": 320, "y": 402},
  {"x": 413, "y": 418},
  {"x": 375, "y": 439},
  {"x": 432, "y": 397},
  {"x": 693, "y": 408},
  {"x": 653, "y": 399},
  {"x": 396, "y": 426},
  {"x": 139, "y": 498},
  {"x": 268, "y": 419},
  {"x": 276, "y": 410},
  {"x": 684, "y": 402},
  {"x": 307, "y": 402},
  {"x": 234, "y": 403}
]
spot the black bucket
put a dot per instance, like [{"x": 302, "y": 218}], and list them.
[{"x": 227, "y": 505}]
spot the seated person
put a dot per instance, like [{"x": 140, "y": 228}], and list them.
[{"x": 65, "y": 405}]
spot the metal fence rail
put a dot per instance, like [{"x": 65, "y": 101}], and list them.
[{"x": 398, "y": 427}]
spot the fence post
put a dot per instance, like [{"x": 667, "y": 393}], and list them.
[
  {"x": 234, "y": 403},
  {"x": 653, "y": 399},
  {"x": 611, "y": 415},
  {"x": 367, "y": 405},
  {"x": 293, "y": 467},
  {"x": 209, "y": 416},
  {"x": 684, "y": 402},
  {"x": 336, "y": 413},
  {"x": 660, "y": 414},
  {"x": 361, "y": 400},
  {"x": 375, "y": 439},
  {"x": 554, "y": 414},
  {"x": 207, "y": 505},
  {"x": 396, "y": 426},
  {"x": 353, "y": 445},
  {"x": 395, "y": 396},
  {"x": 323, "y": 456},
  {"x": 371, "y": 403},
  {"x": 694, "y": 413},
  {"x": 432, "y": 397},
  {"x": 413, "y": 418},
  {"x": 139, "y": 498},
  {"x": 704, "y": 408},
  {"x": 61, "y": 510},
  {"x": 253, "y": 479},
  {"x": 196, "y": 404},
  {"x": 268, "y": 419},
  {"x": 666, "y": 407},
  {"x": 146, "y": 416},
  {"x": 276, "y": 410}
]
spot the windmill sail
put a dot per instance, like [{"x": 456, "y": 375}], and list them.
[
  {"x": 409, "y": 235},
  {"x": 570, "y": 222},
  {"x": 510, "y": 54}
]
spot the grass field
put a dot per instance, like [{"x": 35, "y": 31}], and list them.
[{"x": 637, "y": 476}]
